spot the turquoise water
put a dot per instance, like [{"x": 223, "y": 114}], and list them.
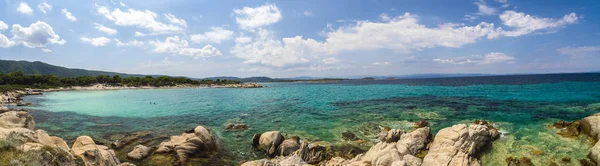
[{"x": 325, "y": 111}]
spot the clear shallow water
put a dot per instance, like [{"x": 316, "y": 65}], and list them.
[{"x": 325, "y": 111}]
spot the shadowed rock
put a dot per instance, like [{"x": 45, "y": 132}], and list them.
[{"x": 189, "y": 144}]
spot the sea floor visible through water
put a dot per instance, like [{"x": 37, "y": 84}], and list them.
[{"x": 324, "y": 111}]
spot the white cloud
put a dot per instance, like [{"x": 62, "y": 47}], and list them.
[
  {"x": 243, "y": 40},
  {"x": 216, "y": 35},
  {"x": 385, "y": 17},
  {"x": 46, "y": 50},
  {"x": 38, "y": 34},
  {"x": 45, "y": 7},
  {"x": 135, "y": 43},
  {"x": 307, "y": 13},
  {"x": 523, "y": 24},
  {"x": 484, "y": 9},
  {"x": 469, "y": 17},
  {"x": 380, "y": 63},
  {"x": 174, "y": 20},
  {"x": 330, "y": 60},
  {"x": 176, "y": 45},
  {"x": 579, "y": 51},
  {"x": 68, "y": 15},
  {"x": 504, "y": 3},
  {"x": 122, "y": 4},
  {"x": 491, "y": 58},
  {"x": 139, "y": 34},
  {"x": 3, "y": 26},
  {"x": 104, "y": 29},
  {"x": 143, "y": 19},
  {"x": 249, "y": 18},
  {"x": 24, "y": 8},
  {"x": 98, "y": 41}
]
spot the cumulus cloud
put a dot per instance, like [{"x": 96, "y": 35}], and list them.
[
  {"x": 25, "y": 9},
  {"x": 216, "y": 35},
  {"x": 105, "y": 29},
  {"x": 68, "y": 15},
  {"x": 484, "y": 9},
  {"x": 307, "y": 13},
  {"x": 490, "y": 58},
  {"x": 522, "y": 24},
  {"x": 98, "y": 41},
  {"x": 142, "y": 19},
  {"x": 380, "y": 63},
  {"x": 46, "y": 50},
  {"x": 579, "y": 51},
  {"x": 44, "y": 7},
  {"x": 3, "y": 26},
  {"x": 177, "y": 45},
  {"x": 330, "y": 60},
  {"x": 243, "y": 40},
  {"x": 174, "y": 20},
  {"x": 249, "y": 18},
  {"x": 139, "y": 34},
  {"x": 38, "y": 34},
  {"x": 134, "y": 43}
]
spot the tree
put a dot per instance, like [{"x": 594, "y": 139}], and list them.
[{"x": 116, "y": 79}]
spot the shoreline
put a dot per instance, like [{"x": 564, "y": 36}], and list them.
[{"x": 15, "y": 97}]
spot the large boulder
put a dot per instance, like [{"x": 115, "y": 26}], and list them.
[
  {"x": 460, "y": 145},
  {"x": 268, "y": 142},
  {"x": 289, "y": 146},
  {"x": 92, "y": 154},
  {"x": 188, "y": 144},
  {"x": 17, "y": 119},
  {"x": 591, "y": 126},
  {"x": 314, "y": 152}
]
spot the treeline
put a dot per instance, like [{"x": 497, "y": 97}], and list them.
[{"x": 45, "y": 81}]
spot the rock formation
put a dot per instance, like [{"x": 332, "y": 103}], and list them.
[
  {"x": 460, "y": 145},
  {"x": 268, "y": 142},
  {"x": 188, "y": 144},
  {"x": 92, "y": 154},
  {"x": 139, "y": 152}
]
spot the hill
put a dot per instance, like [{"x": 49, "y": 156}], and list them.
[{"x": 7, "y": 66}]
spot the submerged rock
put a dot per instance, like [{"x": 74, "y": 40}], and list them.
[
  {"x": 92, "y": 154},
  {"x": 349, "y": 136},
  {"x": 236, "y": 126},
  {"x": 460, "y": 145},
  {"x": 523, "y": 161},
  {"x": 188, "y": 144},
  {"x": 139, "y": 152}
]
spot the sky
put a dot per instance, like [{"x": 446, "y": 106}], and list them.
[{"x": 286, "y": 38}]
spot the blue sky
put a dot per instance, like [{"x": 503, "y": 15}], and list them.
[{"x": 200, "y": 38}]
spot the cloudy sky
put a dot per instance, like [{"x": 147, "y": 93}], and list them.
[{"x": 201, "y": 38}]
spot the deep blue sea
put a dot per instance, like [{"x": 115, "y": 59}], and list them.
[{"x": 521, "y": 106}]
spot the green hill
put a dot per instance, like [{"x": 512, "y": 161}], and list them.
[{"x": 7, "y": 66}]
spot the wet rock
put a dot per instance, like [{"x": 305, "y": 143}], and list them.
[
  {"x": 568, "y": 129},
  {"x": 523, "y": 161},
  {"x": 460, "y": 145},
  {"x": 349, "y": 136},
  {"x": 236, "y": 126},
  {"x": 139, "y": 152},
  {"x": 92, "y": 154},
  {"x": 586, "y": 162},
  {"x": 565, "y": 159},
  {"x": 188, "y": 144},
  {"x": 289, "y": 146},
  {"x": 268, "y": 142},
  {"x": 126, "y": 164}
]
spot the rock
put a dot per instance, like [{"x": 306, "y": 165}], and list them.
[
  {"x": 523, "y": 161},
  {"x": 421, "y": 123},
  {"x": 314, "y": 152},
  {"x": 92, "y": 154},
  {"x": 396, "y": 153},
  {"x": 595, "y": 153},
  {"x": 591, "y": 126},
  {"x": 236, "y": 126},
  {"x": 568, "y": 129},
  {"x": 189, "y": 144},
  {"x": 289, "y": 146},
  {"x": 126, "y": 164},
  {"x": 460, "y": 145},
  {"x": 139, "y": 152},
  {"x": 16, "y": 119},
  {"x": 565, "y": 159},
  {"x": 390, "y": 135},
  {"x": 268, "y": 142},
  {"x": 293, "y": 160},
  {"x": 586, "y": 162},
  {"x": 349, "y": 136}
]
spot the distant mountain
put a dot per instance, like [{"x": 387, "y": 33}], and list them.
[
  {"x": 7, "y": 66},
  {"x": 248, "y": 79}
]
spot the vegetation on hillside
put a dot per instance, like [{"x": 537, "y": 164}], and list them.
[
  {"x": 7, "y": 66},
  {"x": 19, "y": 81}
]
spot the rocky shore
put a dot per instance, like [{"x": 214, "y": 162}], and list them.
[{"x": 21, "y": 143}]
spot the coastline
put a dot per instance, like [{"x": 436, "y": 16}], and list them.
[{"x": 15, "y": 97}]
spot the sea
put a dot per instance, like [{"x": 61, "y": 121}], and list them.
[{"x": 522, "y": 107}]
